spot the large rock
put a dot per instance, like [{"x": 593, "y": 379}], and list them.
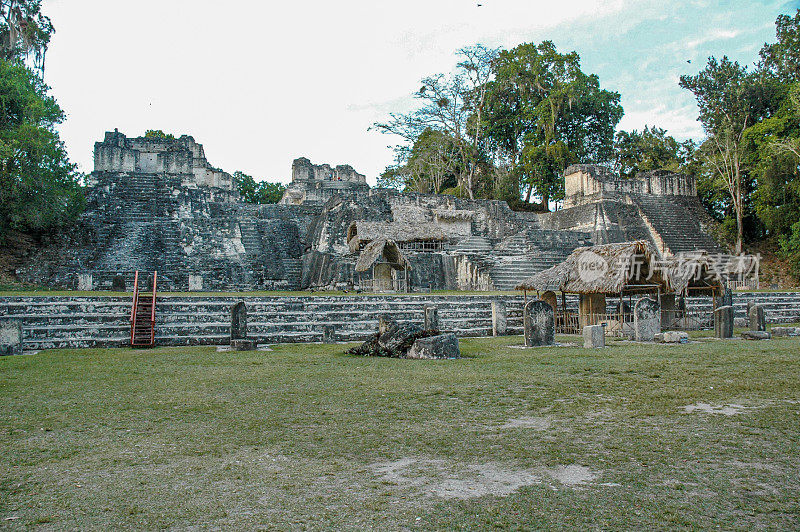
[
  {"x": 399, "y": 337},
  {"x": 10, "y": 337},
  {"x": 646, "y": 319},
  {"x": 441, "y": 346},
  {"x": 540, "y": 324},
  {"x": 756, "y": 335},
  {"x": 672, "y": 337}
]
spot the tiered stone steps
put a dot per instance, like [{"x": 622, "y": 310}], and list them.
[
  {"x": 677, "y": 224},
  {"x": 508, "y": 272},
  {"x": 75, "y": 322}
]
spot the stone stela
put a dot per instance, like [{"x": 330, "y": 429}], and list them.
[
  {"x": 539, "y": 324},
  {"x": 239, "y": 338},
  {"x": 646, "y": 319}
]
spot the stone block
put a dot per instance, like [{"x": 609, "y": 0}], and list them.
[
  {"x": 756, "y": 335},
  {"x": 195, "y": 283},
  {"x": 594, "y": 336},
  {"x": 441, "y": 346},
  {"x": 431, "y": 318},
  {"x": 672, "y": 337},
  {"x": 85, "y": 282},
  {"x": 785, "y": 331},
  {"x": 755, "y": 316},
  {"x": 239, "y": 321},
  {"x": 723, "y": 322},
  {"x": 10, "y": 337},
  {"x": 328, "y": 334},
  {"x": 244, "y": 344},
  {"x": 499, "y": 318},
  {"x": 540, "y": 324},
  {"x": 646, "y": 319}
]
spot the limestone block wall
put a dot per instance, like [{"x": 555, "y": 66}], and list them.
[{"x": 76, "y": 322}]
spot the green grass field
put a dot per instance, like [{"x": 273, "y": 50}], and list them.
[{"x": 703, "y": 435}]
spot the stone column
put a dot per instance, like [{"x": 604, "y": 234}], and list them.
[
  {"x": 646, "y": 319},
  {"x": 540, "y": 324},
  {"x": 499, "y": 318},
  {"x": 431, "y": 318},
  {"x": 756, "y": 318},
  {"x": 723, "y": 322},
  {"x": 10, "y": 336}
]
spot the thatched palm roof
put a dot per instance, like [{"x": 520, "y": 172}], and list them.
[
  {"x": 605, "y": 269},
  {"x": 360, "y": 232},
  {"x": 695, "y": 270},
  {"x": 377, "y": 249}
]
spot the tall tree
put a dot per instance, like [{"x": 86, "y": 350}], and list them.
[
  {"x": 730, "y": 100},
  {"x": 24, "y": 32},
  {"x": 782, "y": 58},
  {"x": 447, "y": 105},
  {"x": 650, "y": 149},
  {"x": 39, "y": 187},
  {"x": 546, "y": 113}
]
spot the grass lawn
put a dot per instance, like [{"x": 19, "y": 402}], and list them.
[{"x": 703, "y": 435}]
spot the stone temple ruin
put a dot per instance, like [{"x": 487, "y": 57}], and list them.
[{"x": 156, "y": 204}]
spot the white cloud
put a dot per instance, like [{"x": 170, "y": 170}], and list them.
[{"x": 262, "y": 83}]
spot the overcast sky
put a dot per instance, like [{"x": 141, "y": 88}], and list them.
[{"x": 261, "y": 83}]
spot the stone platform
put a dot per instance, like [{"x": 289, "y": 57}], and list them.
[{"x": 97, "y": 321}]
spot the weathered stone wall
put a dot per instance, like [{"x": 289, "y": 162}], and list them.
[
  {"x": 54, "y": 322},
  {"x": 585, "y": 183}
]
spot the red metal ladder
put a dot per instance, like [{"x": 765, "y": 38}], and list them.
[{"x": 143, "y": 315}]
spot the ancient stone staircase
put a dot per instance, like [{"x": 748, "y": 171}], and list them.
[{"x": 677, "y": 225}]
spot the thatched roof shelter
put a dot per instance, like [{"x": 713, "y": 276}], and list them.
[
  {"x": 698, "y": 270},
  {"x": 381, "y": 249},
  {"x": 361, "y": 232},
  {"x": 604, "y": 269}
]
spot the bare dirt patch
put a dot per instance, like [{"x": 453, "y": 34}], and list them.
[
  {"x": 706, "y": 408},
  {"x": 448, "y": 480}
]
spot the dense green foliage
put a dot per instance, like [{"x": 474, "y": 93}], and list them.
[
  {"x": 505, "y": 124},
  {"x": 261, "y": 192},
  {"x": 749, "y": 165},
  {"x": 39, "y": 187}
]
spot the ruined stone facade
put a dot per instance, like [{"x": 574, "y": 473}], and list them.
[
  {"x": 157, "y": 204},
  {"x": 314, "y": 184}
]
